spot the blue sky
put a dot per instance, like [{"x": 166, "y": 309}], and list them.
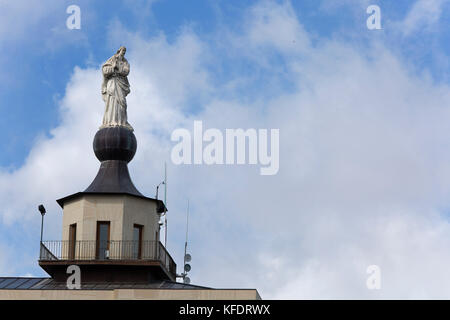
[
  {"x": 375, "y": 99},
  {"x": 40, "y": 61}
]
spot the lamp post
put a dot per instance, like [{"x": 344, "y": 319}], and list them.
[
  {"x": 159, "y": 222},
  {"x": 157, "y": 188},
  {"x": 42, "y": 211}
]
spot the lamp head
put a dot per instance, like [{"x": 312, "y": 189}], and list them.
[{"x": 41, "y": 209}]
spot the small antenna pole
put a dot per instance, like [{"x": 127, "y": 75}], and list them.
[
  {"x": 165, "y": 203},
  {"x": 186, "y": 242},
  {"x": 187, "y": 228},
  {"x": 187, "y": 257}
]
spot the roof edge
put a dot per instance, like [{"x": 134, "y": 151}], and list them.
[{"x": 161, "y": 206}]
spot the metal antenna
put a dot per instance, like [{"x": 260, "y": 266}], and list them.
[
  {"x": 187, "y": 228},
  {"x": 165, "y": 203},
  {"x": 187, "y": 256}
]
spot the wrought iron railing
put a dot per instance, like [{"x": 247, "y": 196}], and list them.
[{"x": 87, "y": 250}]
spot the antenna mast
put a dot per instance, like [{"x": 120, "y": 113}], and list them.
[
  {"x": 187, "y": 228},
  {"x": 165, "y": 203},
  {"x": 187, "y": 256}
]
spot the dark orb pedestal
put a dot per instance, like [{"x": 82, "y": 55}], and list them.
[
  {"x": 114, "y": 147},
  {"x": 115, "y": 143}
]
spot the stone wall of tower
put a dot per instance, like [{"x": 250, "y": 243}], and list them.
[{"x": 122, "y": 211}]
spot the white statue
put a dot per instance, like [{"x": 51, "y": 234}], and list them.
[{"x": 115, "y": 88}]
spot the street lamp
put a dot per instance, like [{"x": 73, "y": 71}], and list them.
[
  {"x": 42, "y": 211},
  {"x": 157, "y": 188},
  {"x": 159, "y": 222}
]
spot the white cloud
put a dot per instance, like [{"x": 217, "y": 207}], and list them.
[
  {"x": 277, "y": 27},
  {"x": 363, "y": 178},
  {"x": 423, "y": 15},
  {"x": 19, "y": 17}
]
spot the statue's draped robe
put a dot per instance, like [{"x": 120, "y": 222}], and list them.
[{"x": 115, "y": 88}]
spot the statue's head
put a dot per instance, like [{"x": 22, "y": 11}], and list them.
[{"x": 121, "y": 51}]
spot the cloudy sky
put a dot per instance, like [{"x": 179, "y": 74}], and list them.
[{"x": 364, "y": 120}]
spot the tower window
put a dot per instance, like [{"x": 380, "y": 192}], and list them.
[
  {"x": 137, "y": 241},
  {"x": 72, "y": 240},
  {"x": 103, "y": 239}
]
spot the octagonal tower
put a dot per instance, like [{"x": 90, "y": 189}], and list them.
[{"x": 111, "y": 230}]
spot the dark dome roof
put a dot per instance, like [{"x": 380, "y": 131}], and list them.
[
  {"x": 115, "y": 143},
  {"x": 114, "y": 147}
]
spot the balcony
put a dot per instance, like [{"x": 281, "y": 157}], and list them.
[{"x": 118, "y": 253}]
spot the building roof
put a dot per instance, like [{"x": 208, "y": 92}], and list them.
[
  {"x": 161, "y": 207},
  {"x": 28, "y": 283},
  {"x": 114, "y": 147}
]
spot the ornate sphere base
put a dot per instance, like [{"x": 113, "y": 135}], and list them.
[
  {"x": 114, "y": 147},
  {"x": 115, "y": 143}
]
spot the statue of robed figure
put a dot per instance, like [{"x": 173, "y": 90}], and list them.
[{"x": 115, "y": 88}]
